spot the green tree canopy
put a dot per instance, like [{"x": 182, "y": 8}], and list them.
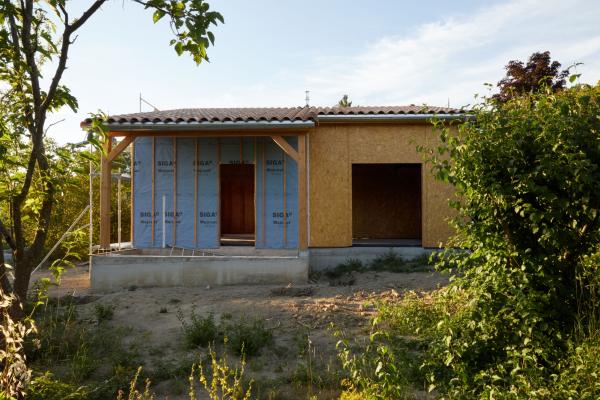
[{"x": 35, "y": 39}]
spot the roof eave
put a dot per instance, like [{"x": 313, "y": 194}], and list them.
[
  {"x": 381, "y": 118},
  {"x": 206, "y": 126}
]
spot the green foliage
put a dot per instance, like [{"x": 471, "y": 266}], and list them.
[
  {"x": 76, "y": 349},
  {"x": 520, "y": 319},
  {"x": 243, "y": 337},
  {"x": 247, "y": 337},
  {"x": 104, "y": 312},
  {"x": 190, "y": 21},
  {"x": 224, "y": 382},
  {"x": 526, "y": 173},
  {"x": 388, "y": 261},
  {"x": 46, "y": 387},
  {"x": 198, "y": 331},
  {"x": 344, "y": 102},
  {"x": 347, "y": 267}
]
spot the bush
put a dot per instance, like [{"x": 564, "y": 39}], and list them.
[
  {"x": 198, "y": 331},
  {"x": 521, "y": 318},
  {"x": 247, "y": 338},
  {"x": 46, "y": 387}
]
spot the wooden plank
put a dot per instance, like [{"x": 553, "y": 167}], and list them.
[
  {"x": 196, "y": 194},
  {"x": 302, "y": 195},
  {"x": 132, "y": 191},
  {"x": 174, "y": 221},
  {"x": 284, "y": 219},
  {"x": 255, "y": 194},
  {"x": 153, "y": 194},
  {"x": 105, "y": 182},
  {"x": 264, "y": 185},
  {"x": 126, "y": 141},
  {"x": 219, "y": 211},
  {"x": 286, "y": 147}
]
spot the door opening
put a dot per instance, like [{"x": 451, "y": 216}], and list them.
[
  {"x": 237, "y": 204},
  {"x": 386, "y": 204}
]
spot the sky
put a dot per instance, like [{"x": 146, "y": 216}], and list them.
[{"x": 269, "y": 52}]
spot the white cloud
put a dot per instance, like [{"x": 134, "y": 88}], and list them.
[
  {"x": 447, "y": 59},
  {"x": 452, "y": 58}
]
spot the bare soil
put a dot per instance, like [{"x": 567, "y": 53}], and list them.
[{"x": 316, "y": 310}]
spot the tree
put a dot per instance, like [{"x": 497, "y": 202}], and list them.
[
  {"x": 344, "y": 102},
  {"x": 526, "y": 172},
  {"x": 34, "y": 33},
  {"x": 539, "y": 72}
]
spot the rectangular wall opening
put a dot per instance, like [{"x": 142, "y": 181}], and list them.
[
  {"x": 237, "y": 204},
  {"x": 386, "y": 204}
]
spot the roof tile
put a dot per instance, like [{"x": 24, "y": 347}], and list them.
[{"x": 272, "y": 114}]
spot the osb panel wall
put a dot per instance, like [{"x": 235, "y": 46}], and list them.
[
  {"x": 333, "y": 150},
  {"x": 329, "y": 181},
  {"x": 386, "y": 201}
]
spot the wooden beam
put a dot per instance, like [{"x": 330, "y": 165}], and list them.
[
  {"x": 302, "y": 194},
  {"x": 105, "y": 181},
  {"x": 218, "y": 133},
  {"x": 286, "y": 147},
  {"x": 126, "y": 141}
]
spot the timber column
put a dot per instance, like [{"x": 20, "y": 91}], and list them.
[
  {"x": 105, "y": 181},
  {"x": 302, "y": 194}
]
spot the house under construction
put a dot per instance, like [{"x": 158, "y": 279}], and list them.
[{"x": 242, "y": 195}]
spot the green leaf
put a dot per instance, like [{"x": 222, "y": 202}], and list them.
[{"x": 158, "y": 14}]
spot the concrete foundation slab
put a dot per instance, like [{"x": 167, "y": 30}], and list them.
[{"x": 117, "y": 271}]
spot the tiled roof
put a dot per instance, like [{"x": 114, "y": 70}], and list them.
[{"x": 267, "y": 114}]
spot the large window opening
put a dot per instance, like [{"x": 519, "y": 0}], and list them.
[
  {"x": 386, "y": 204},
  {"x": 237, "y": 204}
]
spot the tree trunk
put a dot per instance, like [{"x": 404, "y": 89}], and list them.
[{"x": 4, "y": 282}]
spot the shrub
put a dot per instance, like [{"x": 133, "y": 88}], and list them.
[
  {"x": 104, "y": 312},
  {"x": 46, "y": 387},
  {"x": 247, "y": 338},
  {"x": 198, "y": 331}
]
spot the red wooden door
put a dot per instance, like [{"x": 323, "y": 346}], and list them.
[{"x": 237, "y": 199}]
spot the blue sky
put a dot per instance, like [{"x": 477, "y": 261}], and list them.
[{"x": 269, "y": 52}]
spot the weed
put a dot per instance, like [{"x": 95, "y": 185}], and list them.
[
  {"x": 247, "y": 338},
  {"x": 163, "y": 310},
  {"x": 104, "y": 312},
  {"x": 347, "y": 267},
  {"x": 46, "y": 387},
  {"x": 198, "y": 331},
  {"x": 388, "y": 261},
  {"x": 134, "y": 393},
  {"x": 224, "y": 382}
]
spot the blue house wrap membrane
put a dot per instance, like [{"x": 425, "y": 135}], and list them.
[
  {"x": 189, "y": 168},
  {"x": 207, "y": 173},
  {"x": 142, "y": 193}
]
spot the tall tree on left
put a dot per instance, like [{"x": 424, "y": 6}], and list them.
[{"x": 35, "y": 38}]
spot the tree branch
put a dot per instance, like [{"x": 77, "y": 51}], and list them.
[
  {"x": 9, "y": 239},
  {"x": 64, "y": 51}
]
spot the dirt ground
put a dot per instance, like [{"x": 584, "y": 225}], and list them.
[{"x": 315, "y": 310}]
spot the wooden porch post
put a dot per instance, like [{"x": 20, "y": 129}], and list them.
[
  {"x": 302, "y": 194},
  {"x": 105, "y": 181}
]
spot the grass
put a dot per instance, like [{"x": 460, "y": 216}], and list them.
[
  {"x": 388, "y": 261},
  {"x": 104, "y": 312}
]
